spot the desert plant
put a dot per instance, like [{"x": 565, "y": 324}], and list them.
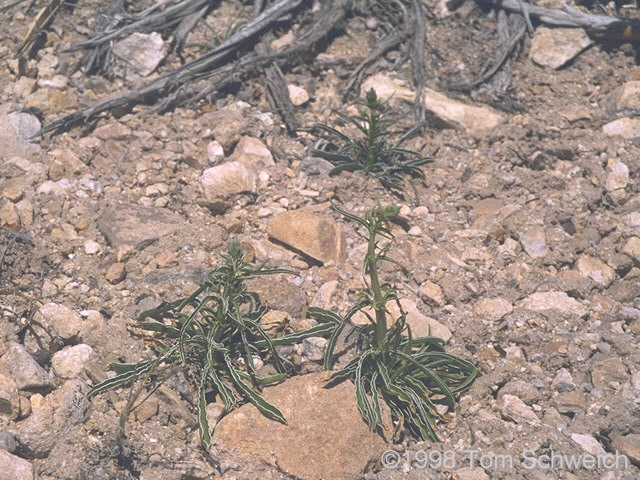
[
  {"x": 373, "y": 153},
  {"x": 215, "y": 333},
  {"x": 409, "y": 374}
]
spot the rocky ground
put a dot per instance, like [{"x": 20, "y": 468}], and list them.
[{"x": 521, "y": 248}]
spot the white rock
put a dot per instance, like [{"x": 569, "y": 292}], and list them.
[
  {"x": 544, "y": 301},
  {"x": 623, "y": 127},
  {"x": 227, "y": 179},
  {"x": 516, "y": 410},
  {"x": 596, "y": 270},
  {"x": 215, "y": 152},
  {"x": 141, "y": 52},
  {"x": 533, "y": 242},
  {"x": 588, "y": 443},
  {"x": 65, "y": 321},
  {"x": 71, "y": 361},
  {"x": 91, "y": 247}
]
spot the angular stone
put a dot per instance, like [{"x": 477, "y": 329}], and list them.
[
  {"x": 113, "y": 131},
  {"x": 563, "y": 381},
  {"x": 325, "y": 436},
  {"x": 10, "y": 217},
  {"x": 632, "y": 248},
  {"x": 298, "y": 95},
  {"x": 135, "y": 224},
  {"x": 65, "y": 321},
  {"x": 514, "y": 409},
  {"x": 16, "y": 130},
  {"x": 26, "y": 372},
  {"x": 311, "y": 233},
  {"x": 571, "y": 402},
  {"x": 432, "y": 293},
  {"x": 608, "y": 373},
  {"x": 596, "y": 270},
  {"x": 525, "y": 391},
  {"x": 116, "y": 273},
  {"x": 230, "y": 178},
  {"x": 628, "y": 445},
  {"x": 534, "y": 242},
  {"x": 252, "y": 153},
  {"x": 227, "y": 126},
  {"x": 544, "y": 301},
  {"x": 215, "y": 152},
  {"x": 625, "y": 97},
  {"x": 143, "y": 53},
  {"x": 70, "y": 362},
  {"x": 588, "y": 443},
  {"x": 554, "y": 47},
  {"x": 60, "y": 411},
  {"x": 493, "y": 308},
  {"x": 623, "y": 127},
  {"x": 618, "y": 176},
  {"x": 476, "y": 120},
  {"x": 14, "y": 468}
]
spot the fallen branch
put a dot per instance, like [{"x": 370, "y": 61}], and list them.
[{"x": 605, "y": 26}]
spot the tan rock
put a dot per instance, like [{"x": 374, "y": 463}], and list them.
[
  {"x": 625, "y": 97},
  {"x": 554, "y": 47},
  {"x": 622, "y": 127},
  {"x": 493, "y": 308},
  {"x": 116, "y": 273},
  {"x": 544, "y": 301},
  {"x": 252, "y": 153},
  {"x": 311, "y": 233},
  {"x": 230, "y": 178},
  {"x": 325, "y": 436},
  {"x": 432, "y": 293},
  {"x": 632, "y": 248},
  {"x": 629, "y": 445},
  {"x": 10, "y": 217},
  {"x": 596, "y": 270},
  {"x": 298, "y": 95}
]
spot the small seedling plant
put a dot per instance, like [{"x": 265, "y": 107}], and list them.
[
  {"x": 372, "y": 152},
  {"x": 215, "y": 333},
  {"x": 409, "y": 374}
]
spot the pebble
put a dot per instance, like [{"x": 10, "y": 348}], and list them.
[
  {"x": 143, "y": 53},
  {"x": 252, "y": 153},
  {"x": 432, "y": 293},
  {"x": 516, "y": 410},
  {"x": 298, "y": 95},
  {"x": 215, "y": 152},
  {"x": 534, "y": 242},
  {"x": 91, "y": 247},
  {"x": 544, "y": 301},
  {"x": 563, "y": 381}
]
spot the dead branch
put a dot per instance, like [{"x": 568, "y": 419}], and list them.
[{"x": 608, "y": 27}]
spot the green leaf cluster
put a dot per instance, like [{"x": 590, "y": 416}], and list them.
[
  {"x": 409, "y": 374},
  {"x": 372, "y": 152},
  {"x": 215, "y": 332}
]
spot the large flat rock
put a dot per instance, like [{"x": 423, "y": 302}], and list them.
[
  {"x": 134, "y": 224},
  {"x": 325, "y": 436}
]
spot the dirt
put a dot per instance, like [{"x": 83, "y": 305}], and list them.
[{"x": 482, "y": 194}]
